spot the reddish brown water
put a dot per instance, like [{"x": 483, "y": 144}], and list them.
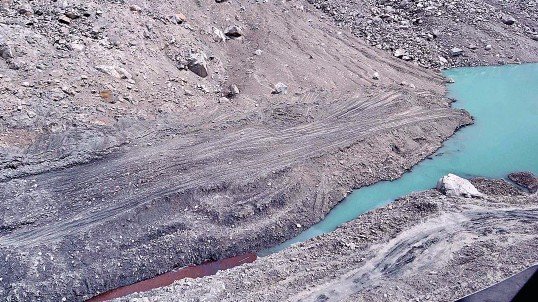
[{"x": 195, "y": 271}]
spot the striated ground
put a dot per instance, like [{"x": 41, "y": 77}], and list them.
[
  {"x": 118, "y": 162},
  {"x": 423, "y": 247}
]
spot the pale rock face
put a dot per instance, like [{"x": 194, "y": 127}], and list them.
[{"x": 455, "y": 186}]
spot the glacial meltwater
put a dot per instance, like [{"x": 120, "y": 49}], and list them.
[{"x": 504, "y": 138}]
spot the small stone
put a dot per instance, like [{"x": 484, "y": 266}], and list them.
[
  {"x": 258, "y": 52},
  {"x": 443, "y": 60},
  {"x": 233, "y": 31},
  {"x": 77, "y": 47},
  {"x": 233, "y": 90},
  {"x": 473, "y": 46},
  {"x": 375, "y": 76},
  {"x": 198, "y": 64},
  {"x": 298, "y": 225},
  {"x": 507, "y": 19},
  {"x": 110, "y": 70},
  {"x": 64, "y": 19},
  {"x": 280, "y": 88},
  {"x": 135, "y": 8},
  {"x": 178, "y": 18},
  {"x": 72, "y": 15},
  {"x": 26, "y": 10},
  {"x": 399, "y": 53},
  {"x": 218, "y": 35},
  {"x": 6, "y": 52},
  {"x": 488, "y": 47},
  {"x": 107, "y": 96},
  {"x": 455, "y": 52}
]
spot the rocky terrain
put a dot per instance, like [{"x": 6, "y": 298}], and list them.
[
  {"x": 137, "y": 136},
  {"x": 442, "y": 34},
  {"x": 423, "y": 247}
]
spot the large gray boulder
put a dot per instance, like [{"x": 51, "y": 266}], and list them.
[{"x": 455, "y": 186}]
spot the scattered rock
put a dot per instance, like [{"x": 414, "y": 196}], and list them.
[
  {"x": 233, "y": 90},
  {"x": 233, "y": 31},
  {"x": 64, "y": 19},
  {"x": 135, "y": 8},
  {"x": 280, "y": 88},
  {"x": 456, "y": 52},
  {"x": 5, "y": 51},
  {"x": 507, "y": 19},
  {"x": 107, "y": 96},
  {"x": 117, "y": 72},
  {"x": 198, "y": 64},
  {"x": 399, "y": 53},
  {"x": 454, "y": 186},
  {"x": 26, "y": 10},
  {"x": 72, "y": 14},
  {"x": 178, "y": 18},
  {"x": 525, "y": 179},
  {"x": 218, "y": 35}
]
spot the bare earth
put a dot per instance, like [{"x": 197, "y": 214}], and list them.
[
  {"x": 118, "y": 162},
  {"x": 423, "y": 247}
]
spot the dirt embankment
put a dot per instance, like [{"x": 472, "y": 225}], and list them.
[
  {"x": 423, "y": 247},
  {"x": 136, "y": 137}
]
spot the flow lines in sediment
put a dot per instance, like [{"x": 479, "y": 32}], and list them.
[{"x": 185, "y": 163}]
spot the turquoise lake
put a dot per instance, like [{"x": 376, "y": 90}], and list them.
[{"x": 504, "y": 138}]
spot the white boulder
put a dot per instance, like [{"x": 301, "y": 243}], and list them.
[{"x": 455, "y": 186}]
